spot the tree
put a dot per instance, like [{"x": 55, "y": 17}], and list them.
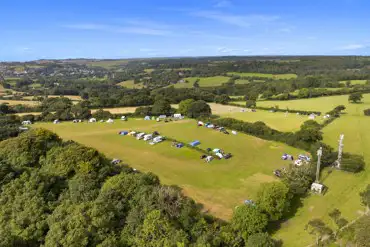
[
  {"x": 318, "y": 228},
  {"x": 4, "y": 109},
  {"x": 352, "y": 163},
  {"x": 157, "y": 232},
  {"x": 310, "y": 132},
  {"x": 184, "y": 106},
  {"x": 355, "y": 97},
  {"x": 161, "y": 107},
  {"x": 101, "y": 114},
  {"x": 250, "y": 103},
  {"x": 365, "y": 196},
  {"x": 222, "y": 99},
  {"x": 362, "y": 236},
  {"x": 299, "y": 178},
  {"x": 273, "y": 198},
  {"x": 260, "y": 240},
  {"x": 199, "y": 109},
  {"x": 81, "y": 110},
  {"x": 196, "y": 83},
  {"x": 248, "y": 220}
]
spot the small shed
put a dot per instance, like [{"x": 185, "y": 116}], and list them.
[
  {"x": 317, "y": 188},
  {"x": 194, "y": 143}
]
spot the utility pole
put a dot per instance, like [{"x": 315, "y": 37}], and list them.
[
  {"x": 340, "y": 150},
  {"x": 319, "y": 154}
]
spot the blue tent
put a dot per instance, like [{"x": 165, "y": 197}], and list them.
[
  {"x": 179, "y": 145},
  {"x": 123, "y": 133},
  {"x": 194, "y": 143}
]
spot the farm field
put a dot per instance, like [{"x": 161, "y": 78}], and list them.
[
  {"x": 203, "y": 81},
  {"x": 220, "y": 185},
  {"x": 268, "y": 76},
  {"x": 276, "y": 120},
  {"x": 118, "y": 110},
  {"x": 343, "y": 187},
  {"x": 242, "y": 81},
  {"x": 355, "y": 82},
  {"x": 130, "y": 84},
  {"x": 71, "y": 97},
  {"x": 323, "y": 104},
  {"x": 19, "y": 102}
]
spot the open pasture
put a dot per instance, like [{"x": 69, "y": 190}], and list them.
[
  {"x": 276, "y": 120},
  {"x": 130, "y": 84},
  {"x": 213, "y": 81},
  {"x": 322, "y": 104},
  {"x": 118, "y": 110},
  {"x": 262, "y": 75},
  {"x": 355, "y": 82},
  {"x": 220, "y": 185}
]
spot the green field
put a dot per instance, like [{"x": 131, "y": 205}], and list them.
[
  {"x": 214, "y": 81},
  {"x": 355, "y": 82},
  {"x": 268, "y": 76},
  {"x": 323, "y": 104},
  {"x": 277, "y": 120},
  {"x": 343, "y": 187},
  {"x": 131, "y": 84},
  {"x": 242, "y": 81},
  {"x": 19, "y": 102},
  {"x": 220, "y": 185}
]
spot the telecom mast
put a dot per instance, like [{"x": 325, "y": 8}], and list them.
[
  {"x": 340, "y": 150},
  {"x": 319, "y": 154}
]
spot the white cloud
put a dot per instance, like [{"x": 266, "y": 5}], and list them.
[
  {"x": 236, "y": 20},
  {"x": 223, "y": 4},
  {"x": 147, "y": 50},
  {"x": 133, "y": 28},
  {"x": 352, "y": 47}
]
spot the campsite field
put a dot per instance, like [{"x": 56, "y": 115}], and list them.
[
  {"x": 203, "y": 81},
  {"x": 268, "y": 76},
  {"x": 344, "y": 188},
  {"x": 276, "y": 120},
  {"x": 131, "y": 84},
  {"x": 219, "y": 186}
]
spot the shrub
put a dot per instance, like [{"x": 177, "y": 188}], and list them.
[{"x": 367, "y": 112}]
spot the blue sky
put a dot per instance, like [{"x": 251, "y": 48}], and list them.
[{"x": 161, "y": 28}]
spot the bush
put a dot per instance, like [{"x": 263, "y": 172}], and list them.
[
  {"x": 367, "y": 112},
  {"x": 199, "y": 109},
  {"x": 352, "y": 163}
]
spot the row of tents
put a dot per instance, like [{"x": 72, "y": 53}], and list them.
[
  {"x": 154, "y": 137},
  {"x": 215, "y": 127}
]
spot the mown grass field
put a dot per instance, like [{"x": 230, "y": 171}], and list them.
[
  {"x": 71, "y": 97},
  {"x": 344, "y": 188},
  {"x": 131, "y": 84},
  {"x": 268, "y": 76},
  {"x": 323, "y": 104},
  {"x": 355, "y": 82},
  {"x": 277, "y": 120},
  {"x": 214, "y": 81},
  {"x": 118, "y": 110},
  {"x": 220, "y": 185},
  {"x": 19, "y": 102}
]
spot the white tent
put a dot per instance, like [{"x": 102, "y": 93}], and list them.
[
  {"x": 92, "y": 120},
  {"x": 27, "y": 122},
  {"x": 123, "y": 118},
  {"x": 147, "y": 118},
  {"x": 234, "y": 132},
  {"x": 219, "y": 155},
  {"x": 209, "y": 159},
  {"x": 110, "y": 120},
  {"x": 56, "y": 121},
  {"x": 177, "y": 115},
  {"x": 312, "y": 116}
]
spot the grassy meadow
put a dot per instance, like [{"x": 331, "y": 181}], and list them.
[
  {"x": 19, "y": 102},
  {"x": 219, "y": 186},
  {"x": 214, "y": 81},
  {"x": 276, "y": 120},
  {"x": 131, "y": 84},
  {"x": 267, "y": 76}
]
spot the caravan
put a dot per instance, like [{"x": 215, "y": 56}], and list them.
[
  {"x": 140, "y": 136},
  {"x": 148, "y": 137}
]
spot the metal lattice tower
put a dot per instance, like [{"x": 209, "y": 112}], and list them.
[
  {"x": 340, "y": 150},
  {"x": 319, "y": 154}
]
